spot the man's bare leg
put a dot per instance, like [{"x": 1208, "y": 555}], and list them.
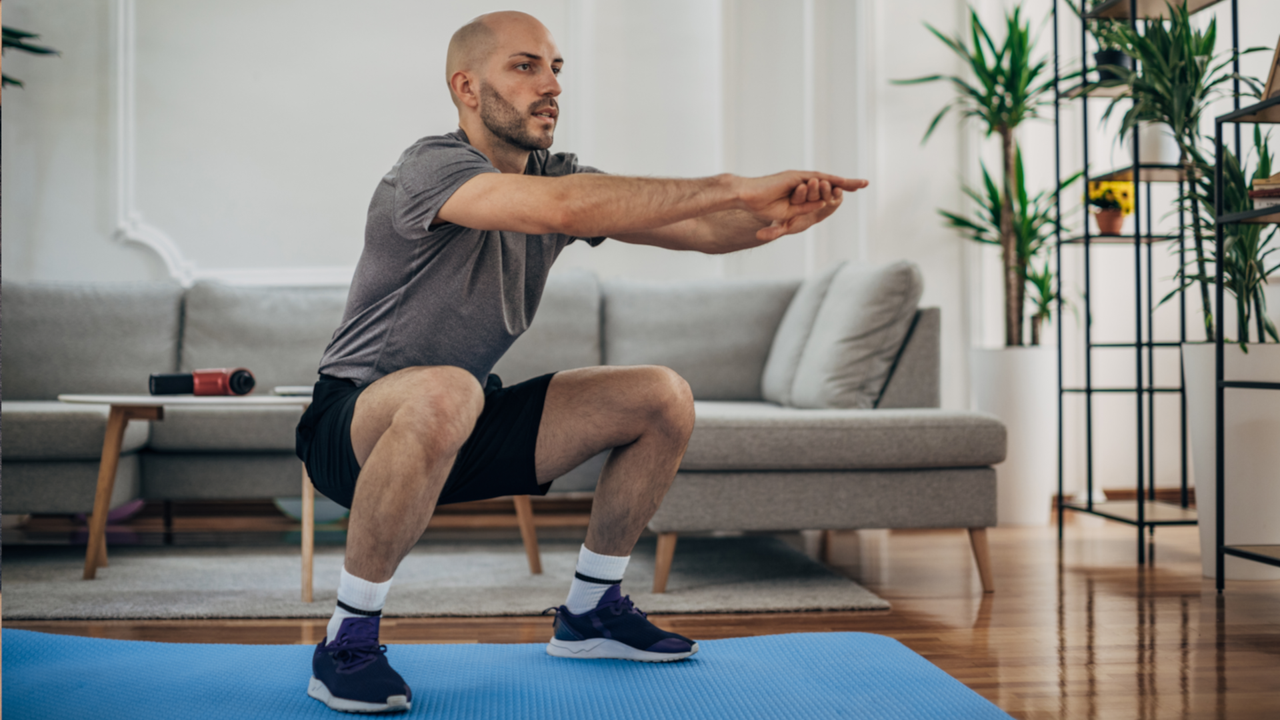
[
  {"x": 406, "y": 431},
  {"x": 645, "y": 414}
]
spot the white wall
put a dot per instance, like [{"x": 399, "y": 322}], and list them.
[{"x": 262, "y": 127}]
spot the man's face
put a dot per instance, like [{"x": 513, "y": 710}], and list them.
[
  {"x": 528, "y": 129},
  {"x": 518, "y": 95}
]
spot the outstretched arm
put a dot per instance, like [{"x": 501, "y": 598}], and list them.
[
  {"x": 733, "y": 230},
  {"x": 592, "y": 205}
]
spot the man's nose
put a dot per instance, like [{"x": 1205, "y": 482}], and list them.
[{"x": 551, "y": 86}]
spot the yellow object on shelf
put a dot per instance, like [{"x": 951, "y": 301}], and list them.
[{"x": 1112, "y": 194}]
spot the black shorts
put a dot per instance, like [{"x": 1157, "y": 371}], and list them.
[{"x": 497, "y": 460}]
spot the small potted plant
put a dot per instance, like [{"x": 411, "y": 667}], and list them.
[
  {"x": 1110, "y": 41},
  {"x": 1113, "y": 201}
]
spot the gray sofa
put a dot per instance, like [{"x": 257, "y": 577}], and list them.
[{"x": 751, "y": 464}]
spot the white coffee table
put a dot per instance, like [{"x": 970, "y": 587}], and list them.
[{"x": 151, "y": 407}]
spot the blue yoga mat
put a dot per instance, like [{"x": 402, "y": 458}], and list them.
[{"x": 808, "y": 675}]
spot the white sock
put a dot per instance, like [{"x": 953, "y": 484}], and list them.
[
  {"x": 360, "y": 595},
  {"x": 585, "y": 594}
]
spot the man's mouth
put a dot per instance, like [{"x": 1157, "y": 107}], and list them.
[{"x": 548, "y": 113}]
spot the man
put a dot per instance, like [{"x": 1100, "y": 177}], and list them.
[{"x": 460, "y": 238}]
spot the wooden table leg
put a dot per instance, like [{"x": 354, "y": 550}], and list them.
[
  {"x": 308, "y": 533},
  {"x": 95, "y": 555},
  {"x": 528, "y": 532},
  {"x": 662, "y": 561}
]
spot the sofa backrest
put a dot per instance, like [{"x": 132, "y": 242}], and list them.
[
  {"x": 564, "y": 334},
  {"x": 87, "y": 337},
  {"x": 715, "y": 333},
  {"x": 279, "y": 333},
  {"x": 914, "y": 380}
]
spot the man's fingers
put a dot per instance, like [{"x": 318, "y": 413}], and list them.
[
  {"x": 824, "y": 188},
  {"x": 815, "y": 191},
  {"x": 805, "y": 209},
  {"x": 800, "y": 195},
  {"x": 840, "y": 182}
]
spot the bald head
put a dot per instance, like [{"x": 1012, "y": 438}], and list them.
[{"x": 473, "y": 44}]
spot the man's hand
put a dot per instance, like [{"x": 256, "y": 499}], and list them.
[{"x": 792, "y": 202}]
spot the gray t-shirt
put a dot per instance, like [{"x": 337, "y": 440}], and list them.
[{"x": 444, "y": 296}]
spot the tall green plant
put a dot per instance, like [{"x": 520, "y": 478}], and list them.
[
  {"x": 1033, "y": 225},
  {"x": 1178, "y": 75},
  {"x": 1008, "y": 87},
  {"x": 1247, "y": 247}
]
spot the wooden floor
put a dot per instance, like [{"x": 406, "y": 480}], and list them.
[{"x": 1081, "y": 633}]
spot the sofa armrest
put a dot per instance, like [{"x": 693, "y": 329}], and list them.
[{"x": 915, "y": 378}]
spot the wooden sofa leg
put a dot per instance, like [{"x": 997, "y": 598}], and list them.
[
  {"x": 981, "y": 554},
  {"x": 662, "y": 563},
  {"x": 528, "y": 533}
]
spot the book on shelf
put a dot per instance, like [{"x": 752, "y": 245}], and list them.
[
  {"x": 1267, "y": 183},
  {"x": 1266, "y": 202}
]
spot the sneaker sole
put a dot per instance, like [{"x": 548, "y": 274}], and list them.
[
  {"x": 606, "y": 649},
  {"x": 319, "y": 691}
]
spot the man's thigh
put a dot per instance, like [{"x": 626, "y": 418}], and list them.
[
  {"x": 453, "y": 390},
  {"x": 589, "y": 410}
]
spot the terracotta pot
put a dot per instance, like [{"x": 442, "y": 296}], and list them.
[{"x": 1109, "y": 221}]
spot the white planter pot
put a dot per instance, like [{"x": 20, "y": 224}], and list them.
[
  {"x": 1156, "y": 145},
  {"x": 1019, "y": 386},
  {"x": 1252, "y": 436}
]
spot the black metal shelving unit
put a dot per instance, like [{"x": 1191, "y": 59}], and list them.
[
  {"x": 1268, "y": 554},
  {"x": 1145, "y": 512}
]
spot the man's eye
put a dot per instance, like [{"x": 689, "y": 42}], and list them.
[
  {"x": 523, "y": 66},
  {"x": 555, "y": 70}
]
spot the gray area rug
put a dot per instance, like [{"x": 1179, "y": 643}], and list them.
[{"x": 472, "y": 578}]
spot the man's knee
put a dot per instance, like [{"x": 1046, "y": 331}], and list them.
[
  {"x": 440, "y": 408},
  {"x": 669, "y": 400}
]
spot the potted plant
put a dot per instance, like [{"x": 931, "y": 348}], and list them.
[
  {"x": 1015, "y": 383},
  {"x": 1012, "y": 87},
  {"x": 1113, "y": 202},
  {"x": 1252, "y": 417},
  {"x": 1110, "y": 44},
  {"x": 1179, "y": 77}
]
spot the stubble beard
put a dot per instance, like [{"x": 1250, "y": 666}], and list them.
[{"x": 510, "y": 125}]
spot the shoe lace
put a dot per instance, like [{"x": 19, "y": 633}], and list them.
[
  {"x": 353, "y": 654},
  {"x": 623, "y": 605}
]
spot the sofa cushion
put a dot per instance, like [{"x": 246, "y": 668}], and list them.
[
  {"x": 715, "y": 333},
  {"x": 220, "y": 476},
  {"x": 772, "y": 501},
  {"x": 65, "y": 486},
  {"x": 565, "y": 332},
  {"x": 226, "y": 429},
  {"x": 762, "y": 436},
  {"x": 856, "y": 335},
  {"x": 788, "y": 343},
  {"x": 51, "y": 430},
  {"x": 87, "y": 338},
  {"x": 278, "y": 333}
]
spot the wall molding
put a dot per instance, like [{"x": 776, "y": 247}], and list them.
[{"x": 131, "y": 225}]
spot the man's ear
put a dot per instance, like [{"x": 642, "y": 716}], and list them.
[{"x": 466, "y": 89}]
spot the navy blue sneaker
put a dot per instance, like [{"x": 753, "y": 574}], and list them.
[
  {"x": 352, "y": 673},
  {"x": 615, "y": 629}
]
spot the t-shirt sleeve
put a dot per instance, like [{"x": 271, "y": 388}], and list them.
[
  {"x": 427, "y": 176},
  {"x": 561, "y": 164}
]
